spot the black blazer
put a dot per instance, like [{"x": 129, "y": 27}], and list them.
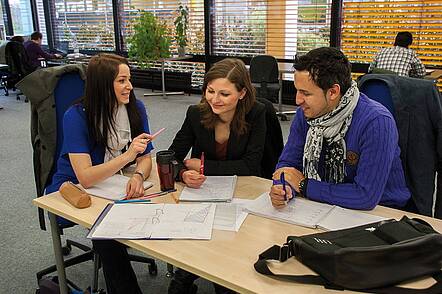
[{"x": 244, "y": 153}]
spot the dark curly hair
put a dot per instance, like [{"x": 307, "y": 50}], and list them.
[{"x": 327, "y": 66}]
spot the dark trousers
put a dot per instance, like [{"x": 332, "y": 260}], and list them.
[
  {"x": 118, "y": 272},
  {"x": 182, "y": 283}
]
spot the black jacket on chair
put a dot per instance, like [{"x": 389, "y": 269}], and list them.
[
  {"x": 418, "y": 114},
  {"x": 17, "y": 61},
  {"x": 244, "y": 153}
]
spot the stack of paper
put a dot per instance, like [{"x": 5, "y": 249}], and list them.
[
  {"x": 303, "y": 212},
  {"x": 230, "y": 216},
  {"x": 214, "y": 189},
  {"x": 113, "y": 188}
]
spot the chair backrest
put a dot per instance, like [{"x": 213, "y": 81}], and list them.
[
  {"x": 379, "y": 91},
  {"x": 274, "y": 142},
  {"x": 70, "y": 87},
  {"x": 264, "y": 68},
  {"x": 17, "y": 59}
]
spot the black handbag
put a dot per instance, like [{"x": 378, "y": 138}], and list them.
[{"x": 370, "y": 258}]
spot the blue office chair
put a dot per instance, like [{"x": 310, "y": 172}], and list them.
[{"x": 379, "y": 91}]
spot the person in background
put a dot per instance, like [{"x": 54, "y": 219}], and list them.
[
  {"x": 35, "y": 52},
  {"x": 343, "y": 147},
  {"x": 103, "y": 133},
  {"x": 229, "y": 126},
  {"x": 399, "y": 58}
]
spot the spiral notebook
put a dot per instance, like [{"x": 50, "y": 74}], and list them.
[{"x": 312, "y": 214}]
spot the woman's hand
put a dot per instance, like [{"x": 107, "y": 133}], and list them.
[
  {"x": 135, "y": 187},
  {"x": 193, "y": 164},
  {"x": 138, "y": 146},
  {"x": 193, "y": 179}
]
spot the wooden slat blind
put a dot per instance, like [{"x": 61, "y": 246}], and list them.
[{"x": 369, "y": 26}]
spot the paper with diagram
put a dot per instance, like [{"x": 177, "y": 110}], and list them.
[
  {"x": 214, "y": 189},
  {"x": 307, "y": 213},
  {"x": 154, "y": 221}
]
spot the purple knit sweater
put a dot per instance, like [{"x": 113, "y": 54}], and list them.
[{"x": 374, "y": 173}]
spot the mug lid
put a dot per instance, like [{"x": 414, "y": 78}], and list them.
[{"x": 165, "y": 156}]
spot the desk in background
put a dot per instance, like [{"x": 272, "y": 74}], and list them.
[{"x": 228, "y": 258}]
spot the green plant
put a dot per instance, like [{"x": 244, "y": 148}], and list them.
[
  {"x": 149, "y": 41},
  {"x": 181, "y": 22}
]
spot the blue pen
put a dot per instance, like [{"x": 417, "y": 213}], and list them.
[
  {"x": 283, "y": 185},
  {"x": 132, "y": 201}
]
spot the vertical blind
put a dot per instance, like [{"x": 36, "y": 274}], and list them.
[
  {"x": 369, "y": 26},
  {"x": 41, "y": 20},
  {"x": 85, "y": 24},
  {"x": 166, "y": 11},
  {"x": 281, "y": 28}
]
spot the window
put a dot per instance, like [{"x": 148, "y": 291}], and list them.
[
  {"x": 2, "y": 23},
  {"x": 369, "y": 26},
  {"x": 85, "y": 24},
  {"x": 166, "y": 11},
  {"x": 21, "y": 15},
  {"x": 41, "y": 21},
  {"x": 275, "y": 27}
]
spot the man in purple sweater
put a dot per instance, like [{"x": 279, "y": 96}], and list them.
[
  {"x": 34, "y": 51},
  {"x": 343, "y": 147}
]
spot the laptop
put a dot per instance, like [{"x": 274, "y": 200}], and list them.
[{"x": 62, "y": 48}]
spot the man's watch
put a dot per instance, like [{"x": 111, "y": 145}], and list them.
[{"x": 302, "y": 187}]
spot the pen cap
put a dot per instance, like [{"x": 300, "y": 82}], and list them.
[{"x": 166, "y": 166}]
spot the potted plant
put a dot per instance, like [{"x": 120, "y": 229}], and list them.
[
  {"x": 181, "y": 28},
  {"x": 149, "y": 41}
]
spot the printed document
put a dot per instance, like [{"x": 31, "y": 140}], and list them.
[
  {"x": 230, "y": 216},
  {"x": 214, "y": 189},
  {"x": 113, "y": 188},
  {"x": 312, "y": 214},
  {"x": 154, "y": 221}
]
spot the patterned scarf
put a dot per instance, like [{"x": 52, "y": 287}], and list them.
[{"x": 332, "y": 126}]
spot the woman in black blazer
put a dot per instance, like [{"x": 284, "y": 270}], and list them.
[{"x": 228, "y": 125}]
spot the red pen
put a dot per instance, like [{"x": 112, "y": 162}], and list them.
[{"x": 202, "y": 164}]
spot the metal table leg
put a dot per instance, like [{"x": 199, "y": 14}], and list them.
[
  {"x": 59, "y": 263},
  {"x": 163, "y": 85}
]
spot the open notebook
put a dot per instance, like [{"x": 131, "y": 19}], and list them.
[
  {"x": 312, "y": 214},
  {"x": 113, "y": 188},
  {"x": 214, "y": 189}
]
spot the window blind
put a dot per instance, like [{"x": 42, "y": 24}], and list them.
[
  {"x": 85, "y": 24},
  {"x": 275, "y": 27},
  {"x": 41, "y": 20},
  {"x": 369, "y": 26},
  {"x": 166, "y": 12}
]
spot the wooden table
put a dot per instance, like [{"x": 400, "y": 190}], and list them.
[{"x": 228, "y": 258}]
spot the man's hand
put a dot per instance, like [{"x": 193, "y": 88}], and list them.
[
  {"x": 193, "y": 179},
  {"x": 277, "y": 195},
  {"x": 58, "y": 56},
  {"x": 292, "y": 175}
]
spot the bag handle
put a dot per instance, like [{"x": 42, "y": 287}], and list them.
[{"x": 282, "y": 253}]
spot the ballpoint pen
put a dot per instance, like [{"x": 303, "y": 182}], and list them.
[
  {"x": 202, "y": 164},
  {"x": 157, "y": 194},
  {"x": 283, "y": 186},
  {"x": 132, "y": 201}
]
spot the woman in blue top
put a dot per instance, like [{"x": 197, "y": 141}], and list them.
[{"x": 103, "y": 133}]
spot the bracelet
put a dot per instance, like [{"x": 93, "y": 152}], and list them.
[{"x": 140, "y": 173}]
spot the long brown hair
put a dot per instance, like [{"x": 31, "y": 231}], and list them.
[
  {"x": 100, "y": 100},
  {"x": 236, "y": 72}
]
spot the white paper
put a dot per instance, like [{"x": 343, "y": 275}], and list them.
[
  {"x": 299, "y": 211},
  {"x": 215, "y": 188},
  {"x": 342, "y": 218},
  {"x": 156, "y": 221},
  {"x": 113, "y": 188}
]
